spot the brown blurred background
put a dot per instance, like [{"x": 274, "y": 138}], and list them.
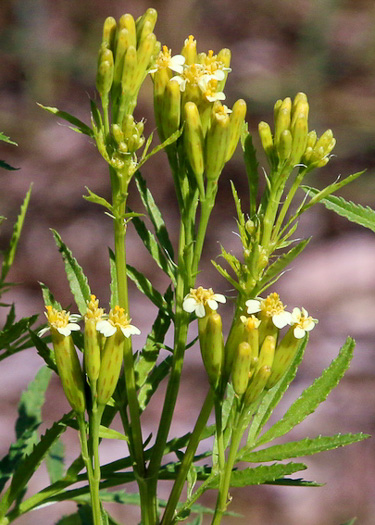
[{"x": 326, "y": 48}]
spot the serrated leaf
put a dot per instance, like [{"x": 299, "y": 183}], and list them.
[
  {"x": 251, "y": 164},
  {"x": 78, "y": 283},
  {"x": 13, "y": 335},
  {"x": 226, "y": 275},
  {"x": 260, "y": 475},
  {"x": 272, "y": 398},
  {"x": 79, "y": 126},
  {"x": 96, "y": 199},
  {"x": 156, "y": 252},
  {"x": 48, "y": 297},
  {"x": 364, "y": 216},
  {"x": 4, "y": 138},
  {"x": 11, "y": 317},
  {"x": 280, "y": 264},
  {"x": 304, "y": 447},
  {"x": 17, "y": 228},
  {"x": 315, "y": 394},
  {"x": 145, "y": 286},
  {"x": 295, "y": 482},
  {"x": 55, "y": 461},
  {"x": 28, "y": 421},
  {"x": 154, "y": 213},
  {"x": 30, "y": 464}
]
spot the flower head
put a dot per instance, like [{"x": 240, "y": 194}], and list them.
[
  {"x": 302, "y": 322},
  {"x": 208, "y": 85},
  {"x": 93, "y": 311},
  {"x": 117, "y": 320},
  {"x": 201, "y": 298},
  {"x": 61, "y": 321},
  {"x": 166, "y": 60},
  {"x": 272, "y": 307},
  {"x": 250, "y": 323}
]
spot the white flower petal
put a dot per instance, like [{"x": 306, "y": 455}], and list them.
[
  {"x": 130, "y": 330},
  {"x": 43, "y": 331},
  {"x": 176, "y": 63},
  {"x": 309, "y": 326},
  {"x": 189, "y": 304},
  {"x": 296, "y": 315},
  {"x": 298, "y": 332},
  {"x": 219, "y": 75},
  {"x": 200, "y": 310},
  {"x": 212, "y": 304},
  {"x": 106, "y": 328},
  {"x": 220, "y": 298},
  {"x": 73, "y": 327},
  {"x": 253, "y": 306},
  {"x": 281, "y": 320},
  {"x": 64, "y": 330},
  {"x": 181, "y": 81},
  {"x": 305, "y": 312},
  {"x": 74, "y": 318},
  {"x": 217, "y": 96}
]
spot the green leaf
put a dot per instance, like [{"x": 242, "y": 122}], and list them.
[
  {"x": 226, "y": 275},
  {"x": 364, "y": 216},
  {"x": 48, "y": 297},
  {"x": 170, "y": 140},
  {"x": 251, "y": 165},
  {"x": 158, "y": 373},
  {"x": 46, "y": 353},
  {"x": 55, "y": 461},
  {"x": 145, "y": 286},
  {"x": 17, "y": 228},
  {"x": 272, "y": 398},
  {"x": 350, "y": 522},
  {"x": 150, "y": 352},
  {"x": 155, "y": 215},
  {"x": 30, "y": 463},
  {"x": 295, "y": 482},
  {"x": 304, "y": 447},
  {"x": 156, "y": 252},
  {"x": 96, "y": 199},
  {"x": 262, "y": 474},
  {"x": 78, "y": 125},
  {"x": 13, "y": 334},
  {"x": 110, "y": 433},
  {"x": 29, "y": 419},
  {"x": 313, "y": 395},
  {"x": 7, "y": 166},
  {"x": 78, "y": 283},
  {"x": 282, "y": 262},
  {"x": 114, "y": 288},
  {"x": 4, "y": 138}
]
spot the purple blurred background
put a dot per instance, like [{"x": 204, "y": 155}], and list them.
[{"x": 326, "y": 48}]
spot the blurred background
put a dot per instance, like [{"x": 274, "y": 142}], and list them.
[{"x": 326, "y": 48}]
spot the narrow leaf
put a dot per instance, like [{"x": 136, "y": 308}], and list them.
[
  {"x": 11, "y": 335},
  {"x": 110, "y": 433},
  {"x": 78, "y": 283},
  {"x": 313, "y": 395},
  {"x": 158, "y": 373},
  {"x": 17, "y": 228},
  {"x": 96, "y": 199},
  {"x": 4, "y": 138},
  {"x": 79, "y": 126},
  {"x": 48, "y": 297},
  {"x": 46, "y": 353},
  {"x": 145, "y": 286},
  {"x": 7, "y": 166},
  {"x": 114, "y": 288},
  {"x": 251, "y": 165},
  {"x": 304, "y": 447},
  {"x": 55, "y": 461},
  {"x": 155, "y": 215}
]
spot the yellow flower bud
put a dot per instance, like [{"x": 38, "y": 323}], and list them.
[
  {"x": 283, "y": 119},
  {"x": 267, "y": 352},
  {"x": 241, "y": 368},
  {"x": 284, "y": 355},
  {"x": 299, "y": 132},
  {"x": 117, "y": 133},
  {"x": 193, "y": 142},
  {"x": 127, "y": 22},
  {"x": 311, "y": 139},
  {"x": 128, "y": 81},
  {"x": 123, "y": 42},
  {"x": 217, "y": 140},
  {"x": 284, "y": 146},
  {"x": 212, "y": 346},
  {"x": 104, "y": 76},
  {"x": 237, "y": 119},
  {"x": 145, "y": 51},
  {"x": 172, "y": 108},
  {"x": 110, "y": 367},
  {"x": 257, "y": 385},
  {"x": 266, "y": 138},
  {"x": 189, "y": 51},
  {"x": 70, "y": 371},
  {"x": 109, "y": 32},
  {"x": 149, "y": 19}
]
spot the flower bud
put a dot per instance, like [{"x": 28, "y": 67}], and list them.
[
  {"x": 148, "y": 19},
  {"x": 117, "y": 133},
  {"x": 109, "y": 32},
  {"x": 127, "y": 22},
  {"x": 241, "y": 368},
  {"x": 193, "y": 142},
  {"x": 70, "y": 371},
  {"x": 237, "y": 119},
  {"x": 217, "y": 139},
  {"x": 110, "y": 367},
  {"x": 104, "y": 76},
  {"x": 284, "y": 147},
  {"x": 123, "y": 42},
  {"x": 267, "y": 352},
  {"x": 283, "y": 119},
  {"x": 128, "y": 82},
  {"x": 144, "y": 53},
  {"x": 189, "y": 51},
  {"x": 257, "y": 385},
  {"x": 284, "y": 355},
  {"x": 212, "y": 346},
  {"x": 172, "y": 108},
  {"x": 299, "y": 132},
  {"x": 266, "y": 138}
]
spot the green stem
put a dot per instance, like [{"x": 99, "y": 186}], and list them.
[
  {"x": 206, "y": 209},
  {"x": 219, "y": 434},
  {"x": 94, "y": 487},
  {"x": 188, "y": 458}
]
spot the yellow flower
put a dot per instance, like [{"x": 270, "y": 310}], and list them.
[{"x": 200, "y": 298}]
